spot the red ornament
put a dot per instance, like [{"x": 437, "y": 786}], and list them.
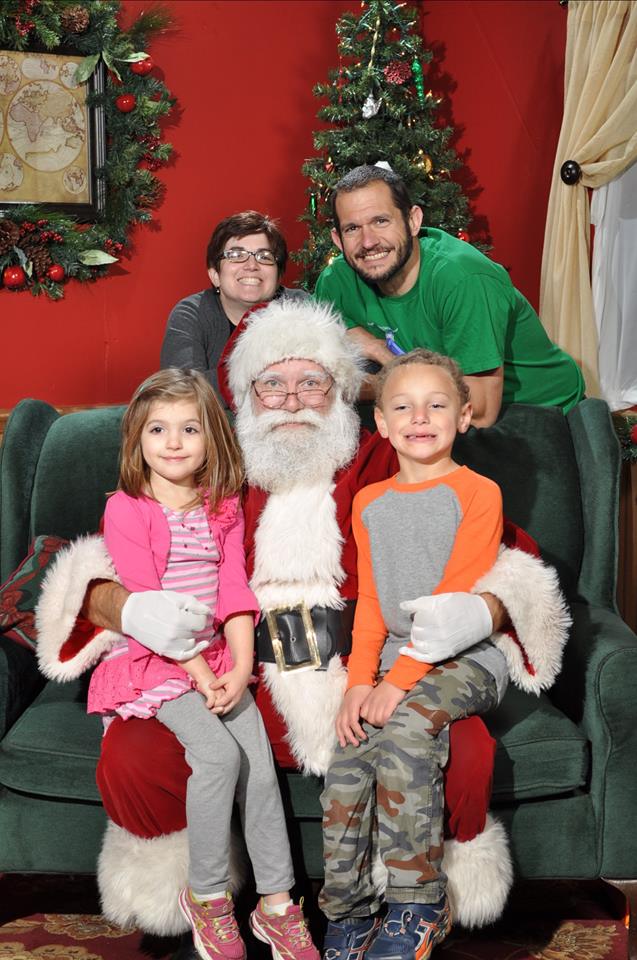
[
  {"x": 463, "y": 235},
  {"x": 126, "y": 102},
  {"x": 393, "y": 34},
  {"x": 142, "y": 67},
  {"x": 397, "y": 71},
  {"x": 56, "y": 272},
  {"x": 633, "y": 433},
  {"x": 14, "y": 277}
]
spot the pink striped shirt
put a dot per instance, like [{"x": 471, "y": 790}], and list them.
[
  {"x": 155, "y": 548},
  {"x": 191, "y": 567}
]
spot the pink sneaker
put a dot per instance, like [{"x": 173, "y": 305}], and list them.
[
  {"x": 214, "y": 929},
  {"x": 288, "y": 936}
]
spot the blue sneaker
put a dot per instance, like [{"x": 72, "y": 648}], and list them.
[
  {"x": 410, "y": 931},
  {"x": 349, "y": 939}
]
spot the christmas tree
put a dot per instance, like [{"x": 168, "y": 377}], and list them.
[{"x": 379, "y": 109}]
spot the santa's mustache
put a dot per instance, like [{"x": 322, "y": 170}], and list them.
[{"x": 269, "y": 420}]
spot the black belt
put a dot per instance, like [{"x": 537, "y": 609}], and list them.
[{"x": 302, "y": 638}]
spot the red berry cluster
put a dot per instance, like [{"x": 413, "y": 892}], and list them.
[
  {"x": 149, "y": 161},
  {"x": 25, "y": 26},
  {"x": 113, "y": 246},
  {"x": 45, "y": 235}
]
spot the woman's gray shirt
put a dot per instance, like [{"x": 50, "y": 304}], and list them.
[{"x": 198, "y": 330}]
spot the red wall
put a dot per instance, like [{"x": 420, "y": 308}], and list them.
[{"x": 243, "y": 74}]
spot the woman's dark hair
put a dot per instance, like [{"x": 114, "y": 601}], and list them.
[{"x": 243, "y": 225}]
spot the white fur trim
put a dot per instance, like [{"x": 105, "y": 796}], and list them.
[
  {"x": 287, "y": 329},
  {"x": 139, "y": 879},
  {"x": 531, "y": 593},
  {"x": 308, "y": 701},
  {"x": 303, "y": 519},
  {"x": 479, "y": 876},
  {"x": 61, "y": 599}
]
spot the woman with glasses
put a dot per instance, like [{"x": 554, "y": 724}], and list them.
[{"x": 246, "y": 258}]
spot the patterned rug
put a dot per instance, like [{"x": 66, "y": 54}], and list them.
[{"x": 57, "y": 918}]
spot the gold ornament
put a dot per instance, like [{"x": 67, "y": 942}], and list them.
[{"x": 423, "y": 161}]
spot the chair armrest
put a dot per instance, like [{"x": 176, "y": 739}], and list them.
[
  {"x": 20, "y": 682},
  {"x": 597, "y": 689}
]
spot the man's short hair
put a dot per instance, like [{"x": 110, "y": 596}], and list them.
[
  {"x": 244, "y": 224},
  {"x": 427, "y": 358},
  {"x": 361, "y": 177}
]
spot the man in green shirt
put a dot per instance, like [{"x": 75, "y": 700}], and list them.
[{"x": 395, "y": 289}]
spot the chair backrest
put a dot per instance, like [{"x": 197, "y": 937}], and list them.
[
  {"x": 78, "y": 465},
  {"x": 22, "y": 441},
  {"x": 559, "y": 480}
]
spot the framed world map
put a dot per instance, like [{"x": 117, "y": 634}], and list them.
[{"x": 51, "y": 139}]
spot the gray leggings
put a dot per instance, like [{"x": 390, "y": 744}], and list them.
[{"x": 230, "y": 756}]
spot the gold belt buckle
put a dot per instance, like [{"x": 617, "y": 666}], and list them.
[{"x": 279, "y": 654}]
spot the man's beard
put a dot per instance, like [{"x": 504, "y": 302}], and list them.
[
  {"x": 403, "y": 252},
  {"x": 280, "y": 459}
]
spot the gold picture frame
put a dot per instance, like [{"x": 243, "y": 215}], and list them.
[{"x": 52, "y": 141}]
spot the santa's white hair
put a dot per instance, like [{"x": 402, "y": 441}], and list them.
[{"x": 289, "y": 329}]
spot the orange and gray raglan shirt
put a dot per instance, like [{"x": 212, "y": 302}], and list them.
[{"x": 414, "y": 540}]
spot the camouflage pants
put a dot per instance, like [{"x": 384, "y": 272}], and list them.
[{"x": 385, "y": 797}]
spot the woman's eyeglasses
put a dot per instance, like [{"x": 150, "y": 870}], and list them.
[{"x": 240, "y": 255}]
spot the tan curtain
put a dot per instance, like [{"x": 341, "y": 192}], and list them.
[{"x": 599, "y": 132}]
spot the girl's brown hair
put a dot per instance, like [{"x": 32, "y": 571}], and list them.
[{"x": 221, "y": 473}]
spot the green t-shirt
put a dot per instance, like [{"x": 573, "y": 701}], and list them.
[{"x": 463, "y": 305}]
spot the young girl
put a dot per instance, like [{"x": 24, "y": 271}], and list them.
[{"x": 175, "y": 523}]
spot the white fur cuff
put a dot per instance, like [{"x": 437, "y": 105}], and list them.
[
  {"x": 60, "y": 602},
  {"x": 139, "y": 880},
  {"x": 531, "y": 593},
  {"x": 479, "y": 876}
]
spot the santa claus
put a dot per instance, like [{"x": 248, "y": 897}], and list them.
[{"x": 305, "y": 458}]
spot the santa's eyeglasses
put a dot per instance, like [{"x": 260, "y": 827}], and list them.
[{"x": 310, "y": 393}]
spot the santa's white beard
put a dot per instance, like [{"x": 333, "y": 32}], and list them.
[{"x": 277, "y": 458}]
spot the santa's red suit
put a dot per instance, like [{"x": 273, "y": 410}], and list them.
[{"x": 300, "y": 535}]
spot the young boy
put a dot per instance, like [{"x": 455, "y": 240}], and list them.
[{"x": 433, "y": 528}]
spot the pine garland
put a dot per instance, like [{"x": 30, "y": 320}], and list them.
[
  {"x": 625, "y": 422},
  {"x": 378, "y": 107},
  {"x": 134, "y": 140}
]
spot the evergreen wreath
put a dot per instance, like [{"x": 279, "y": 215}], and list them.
[{"x": 40, "y": 249}]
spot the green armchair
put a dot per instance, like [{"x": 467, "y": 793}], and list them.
[{"x": 565, "y": 782}]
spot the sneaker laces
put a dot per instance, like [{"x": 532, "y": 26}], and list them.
[
  {"x": 225, "y": 927},
  {"x": 295, "y": 926}
]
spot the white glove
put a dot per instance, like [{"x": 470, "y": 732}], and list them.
[
  {"x": 165, "y": 621},
  {"x": 446, "y": 624}
]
